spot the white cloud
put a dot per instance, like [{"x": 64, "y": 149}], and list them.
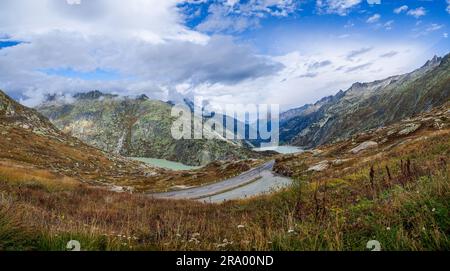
[
  {"x": 418, "y": 12},
  {"x": 448, "y": 6},
  {"x": 388, "y": 25},
  {"x": 145, "y": 44},
  {"x": 233, "y": 16},
  {"x": 426, "y": 30},
  {"x": 401, "y": 9},
  {"x": 373, "y": 19},
  {"x": 231, "y": 3},
  {"x": 152, "y": 20},
  {"x": 167, "y": 64},
  {"x": 220, "y": 20},
  {"x": 325, "y": 70},
  {"x": 349, "y": 24},
  {"x": 434, "y": 27},
  {"x": 73, "y": 2},
  {"x": 340, "y": 7}
]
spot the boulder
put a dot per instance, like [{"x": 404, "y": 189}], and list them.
[
  {"x": 409, "y": 129},
  {"x": 320, "y": 166},
  {"x": 364, "y": 146},
  {"x": 339, "y": 162}
]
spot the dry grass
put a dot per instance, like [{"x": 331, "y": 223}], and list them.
[
  {"x": 16, "y": 175},
  {"x": 397, "y": 194},
  {"x": 332, "y": 210}
]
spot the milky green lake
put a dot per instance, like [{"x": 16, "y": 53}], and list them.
[
  {"x": 281, "y": 149},
  {"x": 162, "y": 163}
]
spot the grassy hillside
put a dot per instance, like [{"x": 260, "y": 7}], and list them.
[{"x": 396, "y": 192}]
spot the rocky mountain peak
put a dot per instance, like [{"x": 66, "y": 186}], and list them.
[
  {"x": 435, "y": 61},
  {"x": 143, "y": 97},
  {"x": 92, "y": 95}
]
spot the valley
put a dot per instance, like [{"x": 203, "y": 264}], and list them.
[
  {"x": 359, "y": 175},
  {"x": 135, "y": 127},
  {"x": 396, "y": 192}
]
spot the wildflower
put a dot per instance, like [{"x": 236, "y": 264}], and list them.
[
  {"x": 291, "y": 231},
  {"x": 434, "y": 210},
  {"x": 388, "y": 228},
  {"x": 423, "y": 228}
]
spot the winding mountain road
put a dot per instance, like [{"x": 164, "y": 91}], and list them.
[{"x": 254, "y": 182}]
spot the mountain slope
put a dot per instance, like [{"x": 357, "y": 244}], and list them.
[
  {"x": 368, "y": 105},
  {"x": 135, "y": 127},
  {"x": 31, "y": 148},
  {"x": 29, "y": 141}
]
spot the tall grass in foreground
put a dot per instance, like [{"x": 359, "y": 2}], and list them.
[
  {"x": 413, "y": 217},
  {"x": 401, "y": 199}
]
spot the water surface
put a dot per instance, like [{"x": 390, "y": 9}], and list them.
[
  {"x": 281, "y": 149},
  {"x": 162, "y": 163}
]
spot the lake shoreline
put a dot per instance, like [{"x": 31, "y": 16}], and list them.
[
  {"x": 165, "y": 164},
  {"x": 286, "y": 149}
]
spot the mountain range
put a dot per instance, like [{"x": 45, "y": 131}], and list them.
[
  {"x": 366, "y": 106},
  {"x": 141, "y": 127},
  {"x": 135, "y": 127}
]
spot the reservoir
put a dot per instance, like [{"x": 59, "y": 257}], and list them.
[
  {"x": 281, "y": 149},
  {"x": 162, "y": 163}
]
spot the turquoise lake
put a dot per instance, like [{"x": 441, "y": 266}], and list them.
[{"x": 162, "y": 163}]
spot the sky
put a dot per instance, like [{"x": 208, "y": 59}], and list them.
[{"x": 282, "y": 52}]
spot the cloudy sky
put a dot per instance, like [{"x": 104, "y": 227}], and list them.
[{"x": 287, "y": 52}]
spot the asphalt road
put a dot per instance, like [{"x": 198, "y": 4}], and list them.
[{"x": 254, "y": 182}]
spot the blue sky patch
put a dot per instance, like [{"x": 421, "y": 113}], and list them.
[{"x": 8, "y": 43}]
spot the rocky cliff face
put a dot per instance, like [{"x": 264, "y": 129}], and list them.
[
  {"x": 368, "y": 105},
  {"x": 137, "y": 127}
]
